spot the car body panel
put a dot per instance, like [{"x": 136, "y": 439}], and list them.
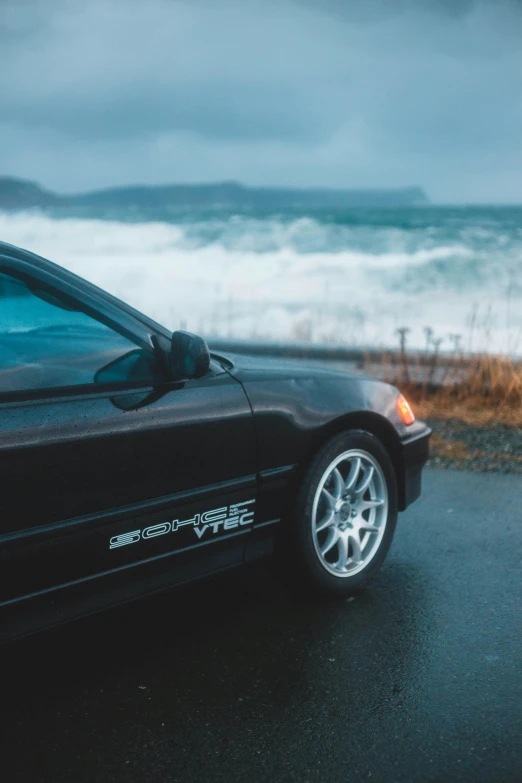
[
  {"x": 298, "y": 407},
  {"x": 88, "y": 459}
]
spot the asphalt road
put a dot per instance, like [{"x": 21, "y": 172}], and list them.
[{"x": 418, "y": 678}]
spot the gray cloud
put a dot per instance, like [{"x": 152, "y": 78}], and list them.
[{"x": 269, "y": 91}]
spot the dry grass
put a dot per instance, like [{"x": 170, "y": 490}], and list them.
[
  {"x": 476, "y": 389},
  {"x": 476, "y": 411},
  {"x": 470, "y": 411}
]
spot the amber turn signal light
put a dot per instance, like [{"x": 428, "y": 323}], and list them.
[{"x": 405, "y": 410}]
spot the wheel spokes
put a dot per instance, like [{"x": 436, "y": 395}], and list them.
[
  {"x": 368, "y": 527},
  {"x": 325, "y": 522},
  {"x": 331, "y": 540},
  {"x": 367, "y": 480},
  {"x": 364, "y": 505},
  {"x": 329, "y": 498},
  {"x": 353, "y": 475},
  {"x": 356, "y": 549},
  {"x": 342, "y": 546},
  {"x": 339, "y": 484}
]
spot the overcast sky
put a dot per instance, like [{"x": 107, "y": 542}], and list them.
[{"x": 342, "y": 93}]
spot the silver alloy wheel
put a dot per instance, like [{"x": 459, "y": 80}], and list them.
[{"x": 349, "y": 513}]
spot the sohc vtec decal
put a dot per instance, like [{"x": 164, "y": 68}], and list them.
[{"x": 207, "y": 524}]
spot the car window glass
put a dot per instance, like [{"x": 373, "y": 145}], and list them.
[{"x": 46, "y": 342}]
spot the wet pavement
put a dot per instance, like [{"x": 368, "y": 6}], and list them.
[{"x": 417, "y": 678}]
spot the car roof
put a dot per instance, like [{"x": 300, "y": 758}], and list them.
[{"x": 19, "y": 254}]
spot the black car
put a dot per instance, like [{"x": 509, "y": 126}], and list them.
[{"x": 131, "y": 459}]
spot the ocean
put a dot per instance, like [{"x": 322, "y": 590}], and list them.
[{"x": 353, "y": 277}]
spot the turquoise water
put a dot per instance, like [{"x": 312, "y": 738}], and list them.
[{"x": 351, "y": 277}]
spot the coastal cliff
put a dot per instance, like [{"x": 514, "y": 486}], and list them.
[{"x": 18, "y": 194}]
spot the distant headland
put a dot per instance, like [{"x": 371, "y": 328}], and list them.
[{"x": 18, "y": 194}]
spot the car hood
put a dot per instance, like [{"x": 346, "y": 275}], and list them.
[{"x": 247, "y": 367}]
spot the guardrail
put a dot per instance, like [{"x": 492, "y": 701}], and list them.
[
  {"x": 428, "y": 368},
  {"x": 360, "y": 356}
]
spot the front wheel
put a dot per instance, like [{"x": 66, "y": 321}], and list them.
[{"x": 346, "y": 513}]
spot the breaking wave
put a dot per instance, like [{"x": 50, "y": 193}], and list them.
[{"x": 323, "y": 278}]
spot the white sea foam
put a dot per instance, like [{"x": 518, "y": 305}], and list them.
[{"x": 294, "y": 279}]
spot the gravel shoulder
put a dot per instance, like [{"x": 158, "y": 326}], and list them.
[{"x": 461, "y": 446}]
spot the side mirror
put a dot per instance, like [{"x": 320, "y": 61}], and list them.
[{"x": 189, "y": 356}]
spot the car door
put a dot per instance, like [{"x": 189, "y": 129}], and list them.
[{"x": 106, "y": 467}]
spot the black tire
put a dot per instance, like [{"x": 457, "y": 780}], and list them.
[{"x": 310, "y": 567}]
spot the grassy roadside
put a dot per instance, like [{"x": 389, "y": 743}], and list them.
[{"x": 473, "y": 404}]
